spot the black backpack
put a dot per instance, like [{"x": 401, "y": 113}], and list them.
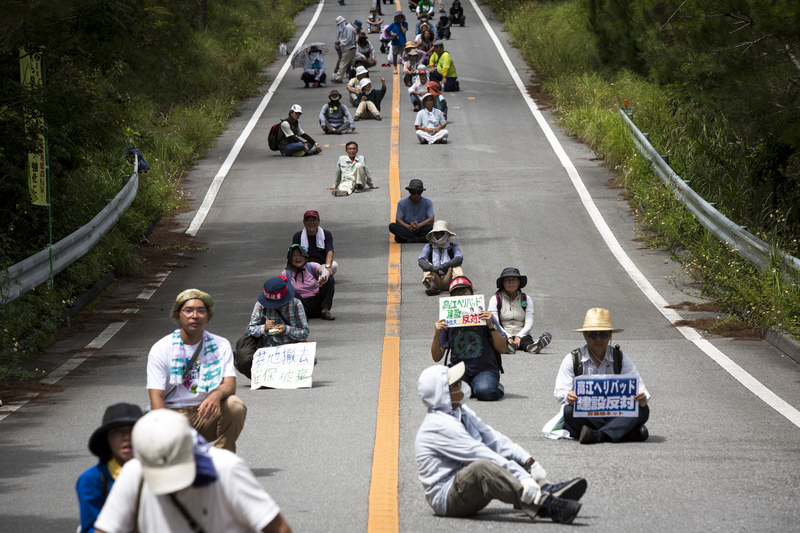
[
  {"x": 450, "y": 252},
  {"x": 577, "y": 364},
  {"x": 275, "y": 136}
]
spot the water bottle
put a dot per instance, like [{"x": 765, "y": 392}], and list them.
[{"x": 282, "y": 49}]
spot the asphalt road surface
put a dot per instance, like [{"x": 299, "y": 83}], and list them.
[{"x": 719, "y": 458}]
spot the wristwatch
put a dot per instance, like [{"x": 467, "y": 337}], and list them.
[{"x": 326, "y": 265}]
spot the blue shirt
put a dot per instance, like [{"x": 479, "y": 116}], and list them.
[
  {"x": 394, "y": 27},
  {"x": 414, "y": 212}
]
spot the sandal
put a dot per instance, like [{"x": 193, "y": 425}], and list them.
[{"x": 544, "y": 340}]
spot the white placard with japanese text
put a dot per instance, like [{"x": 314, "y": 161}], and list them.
[
  {"x": 460, "y": 311},
  {"x": 606, "y": 395},
  {"x": 283, "y": 367}
]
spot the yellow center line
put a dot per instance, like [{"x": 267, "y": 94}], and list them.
[{"x": 383, "y": 507}]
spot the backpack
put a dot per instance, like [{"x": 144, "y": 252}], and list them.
[
  {"x": 450, "y": 252},
  {"x": 577, "y": 364},
  {"x": 275, "y": 136},
  {"x": 523, "y": 302}
]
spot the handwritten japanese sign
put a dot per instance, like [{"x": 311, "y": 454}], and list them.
[
  {"x": 283, "y": 367},
  {"x": 461, "y": 311},
  {"x": 606, "y": 395}
]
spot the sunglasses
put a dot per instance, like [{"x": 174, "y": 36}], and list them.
[
  {"x": 415, "y": 192},
  {"x": 594, "y": 334}
]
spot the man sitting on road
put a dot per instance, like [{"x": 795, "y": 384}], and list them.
[
  {"x": 417, "y": 89},
  {"x": 442, "y": 68},
  {"x": 369, "y": 105},
  {"x": 317, "y": 242},
  {"x": 191, "y": 371},
  {"x": 440, "y": 259},
  {"x": 334, "y": 117},
  {"x": 177, "y": 482},
  {"x": 294, "y": 141},
  {"x": 430, "y": 123},
  {"x": 596, "y": 357},
  {"x": 457, "y": 14},
  {"x": 352, "y": 86},
  {"x": 352, "y": 174},
  {"x": 413, "y": 219},
  {"x": 464, "y": 463}
]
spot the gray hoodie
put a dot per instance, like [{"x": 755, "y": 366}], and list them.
[{"x": 448, "y": 440}]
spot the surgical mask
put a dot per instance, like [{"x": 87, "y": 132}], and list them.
[{"x": 467, "y": 391}]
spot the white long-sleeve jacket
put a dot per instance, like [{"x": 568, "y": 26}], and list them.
[{"x": 448, "y": 441}]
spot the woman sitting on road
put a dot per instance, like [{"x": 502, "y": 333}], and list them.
[
  {"x": 308, "y": 279},
  {"x": 425, "y": 42},
  {"x": 314, "y": 69},
  {"x": 513, "y": 310}
]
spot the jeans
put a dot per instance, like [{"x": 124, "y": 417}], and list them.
[
  {"x": 615, "y": 427},
  {"x": 291, "y": 148},
  {"x": 416, "y": 100},
  {"x": 486, "y": 386},
  {"x": 309, "y": 78}
]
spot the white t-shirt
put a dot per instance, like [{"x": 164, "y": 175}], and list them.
[
  {"x": 234, "y": 503},
  {"x": 158, "y": 368}
]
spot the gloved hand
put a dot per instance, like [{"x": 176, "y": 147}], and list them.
[
  {"x": 538, "y": 474},
  {"x": 531, "y": 493},
  {"x": 442, "y": 273},
  {"x": 425, "y": 266}
]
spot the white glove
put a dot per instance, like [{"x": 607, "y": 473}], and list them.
[
  {"x": 538, "y": 474},
  {"x": 531, "y": 493}
]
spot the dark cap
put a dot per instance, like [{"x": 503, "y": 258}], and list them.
[
  {"x": 415, "y": 185},
  {"x": 117, "y": 415},
  {"x": 509, "y": 272}
]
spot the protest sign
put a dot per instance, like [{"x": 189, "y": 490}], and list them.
[
  {"x": 606, "y": 395},
  {"x": 460, "y": 311},
  {"x": 283, "y": 367}
]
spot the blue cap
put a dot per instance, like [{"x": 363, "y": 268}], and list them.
[
  {"x": 277, "y": 293},
  {"x": 357, "y": 23}
]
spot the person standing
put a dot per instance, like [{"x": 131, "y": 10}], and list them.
[
  {"x": 397, "y": 32},
  {"x": 413, "y": 219},
  {"x": 111, "y": 443},
  {"x": 346, "y": 41},
  {"x": 352, "y": 174},
  {"x": 191, "y": 372}
]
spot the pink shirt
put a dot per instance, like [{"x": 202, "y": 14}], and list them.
[{"x": 305, "y": 284}]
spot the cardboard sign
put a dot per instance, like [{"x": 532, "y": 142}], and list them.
[
  {"x": 606, "y": 395},
  {"x": 284, "y": 367},
  {"x": 460, "y": 311}
]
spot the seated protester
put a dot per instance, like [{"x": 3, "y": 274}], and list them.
[
  {"x": 352, "y": 85},
  {"x": 334, "y": 117},
  {"x": 309, "y": 281},
  {"x": 464, "y": 463},
  {"x": 424, "y": 41},
  {"x": 294, "y": 141},
  {"x": 410, "y": 64},
  {"x": 365, "y": 52},
  {"x": 278, "y": 317},
  {"x": 596, "y": 357},
  {"x": 443, "y": 27},
  {"x": 425, "y": 8},
  {"x": 177, "y": 482},
  {"x": 374, "y": 21},
  {"x": 478, "y": 346},
  {"x": 440, "y": 103},
  {"x": 442, "y": 68},
  {"x": 413, "y": 219},
  {"x": 430, "y": 123},
  {"x": 417, "y": 89},
  {"x": 457, "y": 13},
  {"x": 352, "y": 174},
  {"x": 424, "y": 24},
  {"x": 314, "y": 68},
  {"x": 370, "y": 100},
  {"x": 317, "y": 242},
  {"x": 440, "y": 259},
  {"x": 513, "y": 310},
  {"x": 111, "y": 442}
]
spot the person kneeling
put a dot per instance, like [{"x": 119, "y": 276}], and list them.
[
  {"x": 464, "y": 463},
  {"x": 430, "y": 123}
]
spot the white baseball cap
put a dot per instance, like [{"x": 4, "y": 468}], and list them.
[
  {"x": 297, "y": 109},
  {"x": 162, "y": 441},
  {"x": 455, "y": 372}
]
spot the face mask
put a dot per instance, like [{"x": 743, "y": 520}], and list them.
[{"x": 465, "y": 388}]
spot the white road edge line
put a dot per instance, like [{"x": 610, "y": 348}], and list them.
[
  {"x": 211, "y": 195},
  {"x": 741, "y": 375}
]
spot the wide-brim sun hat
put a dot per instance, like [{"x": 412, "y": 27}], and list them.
[
  {"x": 163, "y": 443},
  {"x": 117, "y": 415},
  {"x": 412, "y": 52},
  {"x": 440, "y": 225},
  {"x": 409, "y": 44},
  {"x": 339, "y": 19},
  {"x": 512, "y": 272},
  {"x": 598, "y": 319},
  {"x": 428, "y": 95},
  {"x": 192, "y": 294},
  {"x": 277, "y": 293}
]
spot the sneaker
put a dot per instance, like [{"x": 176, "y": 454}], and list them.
[
  {"x": 300, "y": 153},
  {"x": 356, "y": 118},
  {"x": 326, "y": 315},
  {"x": 567, "y": 490},
  {"x": 416, "y": 107},
  {"x": 590, "y": 436},
  {"x": 544, "y": 340},
  {"x": 378, "y": 117},
  {"x": 359, "y": 188},
  {"x": 338, "y": 192},
  {"x": 559, "y": 510}
]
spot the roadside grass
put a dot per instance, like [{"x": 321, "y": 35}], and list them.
[
  {"x": 553, "y": 39},
  {"x": 177, "y": 107}
]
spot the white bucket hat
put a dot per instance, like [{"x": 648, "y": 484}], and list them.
[
  {"x": 361, "y": 70},
  {"x": 363, "y": 83},
  {"x": 339, "y": 19}
]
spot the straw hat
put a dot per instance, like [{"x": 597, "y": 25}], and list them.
[{"x": 598, "y": 319}]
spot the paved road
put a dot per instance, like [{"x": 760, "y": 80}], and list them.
[{"x": 719, "y": 458}]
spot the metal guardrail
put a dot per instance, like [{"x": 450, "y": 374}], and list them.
[
  {"x": 754, "y": 249},
  {"x": 35, "y": 270}
]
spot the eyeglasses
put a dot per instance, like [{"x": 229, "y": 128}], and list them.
[
  {"x": 189, "y": 311},
  {"x": 414, "y": 192},
  {"x": 594, "y": 334}
]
